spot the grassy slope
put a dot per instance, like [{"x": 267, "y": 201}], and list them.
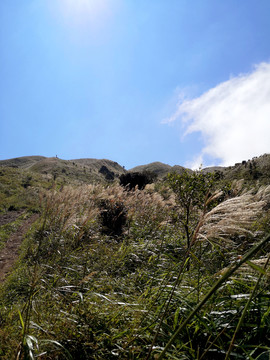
[
  {"x": 19, "y": 188},
  {"x": 158, "y": 168},
  {"x": 255, "y": 169},
  {"x": 101, "y": 297},
  {"x": 87, "y": 170},
  {"x": 22, "y": 162},
  {"x": 82, "y": 170}
]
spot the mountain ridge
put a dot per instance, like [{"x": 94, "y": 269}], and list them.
[{"x": 91, "y": 169}]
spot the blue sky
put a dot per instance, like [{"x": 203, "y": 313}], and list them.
[{"x": 135, "y": 81}]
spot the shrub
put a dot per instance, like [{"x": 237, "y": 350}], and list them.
[
  {"x": 133, "y": 179},
  {"x": 113, "y": 217},
  {"x": 109, "y": 175},
  {"x": 192, "y": 191}
]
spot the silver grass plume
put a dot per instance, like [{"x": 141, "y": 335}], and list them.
[{"x": 234, "y": 216}]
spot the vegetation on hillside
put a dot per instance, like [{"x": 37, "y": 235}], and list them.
[
  {"x": 178, "y": 270},
  {"x": 67, "y": 171}
]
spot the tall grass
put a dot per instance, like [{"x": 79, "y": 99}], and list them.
[{"x": 80, "y": 293}]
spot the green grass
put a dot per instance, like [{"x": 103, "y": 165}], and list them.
[
  {"x": 8, "y": 229},
  {"x": 19, "y": 189},
  {"x": 76, "y": 293}
]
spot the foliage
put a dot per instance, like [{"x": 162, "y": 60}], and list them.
[
  {"x": 192, "y": 191},
  {"x": 113, "y": 217},
  {"x": 132, "y": 179}
]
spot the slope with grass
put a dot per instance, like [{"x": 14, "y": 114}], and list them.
[
  {"x": 250, "y": 170},
  {"x": 24, "y": 162},
  {"x": 80, "y": 170},
  {"x": 107, "y": 273},
  {"x": 20, "y": 188},
  {"x": 158, "y": 168},
  {"x": 9, "y": 252},
  {"x": 88, "y": 170}
]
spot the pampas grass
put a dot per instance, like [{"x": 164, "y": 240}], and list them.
[{"x": 234, "y": 216}]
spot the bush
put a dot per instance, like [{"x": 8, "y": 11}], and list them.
[
  {"x": 113, "y": 217},
  {"x": 133, "y": 179}
]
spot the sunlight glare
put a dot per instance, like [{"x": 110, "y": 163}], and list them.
[{"x": 81, "y": 13}]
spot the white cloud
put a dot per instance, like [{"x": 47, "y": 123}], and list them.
[{"x": 233, "y": 117}]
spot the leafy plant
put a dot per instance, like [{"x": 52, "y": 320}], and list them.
[{"x": 192, "y": 191}]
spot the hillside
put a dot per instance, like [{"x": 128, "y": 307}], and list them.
[
  {"x": 24, "y": 162},
  {"x": 89, "y": 270},
  {"x": 257, "y": 168},
  {"x": 84, "y": 170},
  {"x": 89, "y": 170},
  {"x": 158, "y": 168},
  {"x": 252, "y": 170}
]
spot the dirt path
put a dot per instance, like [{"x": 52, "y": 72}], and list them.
[
  {"x": 9, "y": 254},
  {"x": 9, "y": 217}
]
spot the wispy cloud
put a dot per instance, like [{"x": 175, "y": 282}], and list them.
[{"x": 233, "y": 117}]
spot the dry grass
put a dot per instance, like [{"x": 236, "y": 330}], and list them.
[
  {"x": 74, "y": 206},
  {"x": 234, "y": 216}
]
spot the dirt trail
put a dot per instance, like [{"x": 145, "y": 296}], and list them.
[
  {"x": 9, "y": 217},
  {"x": 9, "y": 254}
]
